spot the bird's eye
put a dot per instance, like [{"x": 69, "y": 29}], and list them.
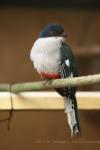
[{"x": 51, "y": 32}]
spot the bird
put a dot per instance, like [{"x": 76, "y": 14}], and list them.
[{"x": 53, "y": 58}]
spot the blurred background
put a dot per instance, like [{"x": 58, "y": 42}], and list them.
[{"x": 20, "y": 23}]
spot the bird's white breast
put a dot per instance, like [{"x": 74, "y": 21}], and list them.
[{"x": 45, "y": 54}]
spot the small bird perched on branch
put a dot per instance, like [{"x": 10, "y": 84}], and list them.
[{"x": 53, "y": 58}]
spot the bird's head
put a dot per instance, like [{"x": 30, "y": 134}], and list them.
[{"x": 53, "y": 30}]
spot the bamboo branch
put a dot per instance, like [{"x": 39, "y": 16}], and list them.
[{"x": 42, "y": 85}]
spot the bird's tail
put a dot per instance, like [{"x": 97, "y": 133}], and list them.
[{"x": 72, "y": 115}]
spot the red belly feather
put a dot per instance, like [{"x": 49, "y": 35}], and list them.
[{"x": 50, "y": 75}]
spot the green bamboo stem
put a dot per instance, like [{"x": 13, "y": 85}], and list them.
[{"x": 43, "y": 85}]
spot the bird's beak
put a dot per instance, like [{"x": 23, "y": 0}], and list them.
[{"x": 64, "y": 34}]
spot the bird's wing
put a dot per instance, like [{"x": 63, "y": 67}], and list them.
[
  {"x": 68, "y": 66},
  {"x": 68, "y": 59}
]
